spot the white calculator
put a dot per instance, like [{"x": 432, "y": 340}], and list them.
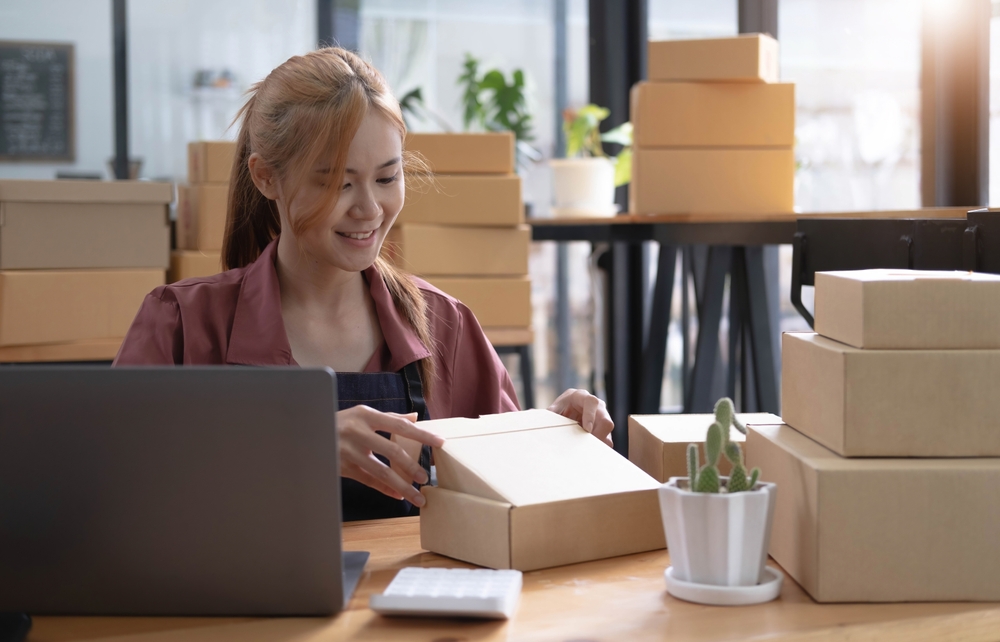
[{"x": 453, "y": 592}]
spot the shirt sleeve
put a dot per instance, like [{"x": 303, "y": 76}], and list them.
[
  {"x": 155, "y": 336},
  {"x": 480, "y": 382}
]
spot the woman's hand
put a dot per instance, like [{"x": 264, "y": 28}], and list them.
[
  {"x": 587, "y": 410},
  {"x": 359, "y": 443}
]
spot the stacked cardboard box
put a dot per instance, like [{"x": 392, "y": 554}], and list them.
[
  {"x": 889, "y": 456},
  {"x": 713, "y": 129},
  {"x": 76, "y": 260},
  {"x": 464, "y": 230},
  {"x": 201, "y": 210}
]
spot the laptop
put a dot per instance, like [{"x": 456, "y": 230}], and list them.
[{"x": 171, "y": 491}]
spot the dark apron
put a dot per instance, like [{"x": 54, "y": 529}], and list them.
[{"x": 399, "y": 392}]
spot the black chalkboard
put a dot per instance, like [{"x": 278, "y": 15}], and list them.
[{"x": 36, "y": 101}]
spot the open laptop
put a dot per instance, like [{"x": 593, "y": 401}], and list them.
[{"x": 171, "y": 491}]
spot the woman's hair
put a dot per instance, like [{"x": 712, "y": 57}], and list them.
[{"x": 308, "y": 108}]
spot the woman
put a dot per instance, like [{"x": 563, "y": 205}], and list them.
[{"x": 317, "y": 183}]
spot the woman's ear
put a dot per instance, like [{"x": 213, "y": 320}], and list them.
[{"x": 263, "y": 177}]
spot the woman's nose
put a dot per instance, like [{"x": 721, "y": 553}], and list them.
[{"x": 366, "y": 207}]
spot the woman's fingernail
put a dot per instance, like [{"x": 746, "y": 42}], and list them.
[
  {"x": 418, "y": 500},
  {"x": 422, "y": 477}
]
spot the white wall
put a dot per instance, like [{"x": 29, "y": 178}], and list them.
[{"x": 87, "y": 25}]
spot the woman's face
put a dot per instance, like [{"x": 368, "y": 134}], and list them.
[{"x": 371, "y": 197}]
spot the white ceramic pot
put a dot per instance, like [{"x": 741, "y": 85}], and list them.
[
  {"x": 583, "y": 183},
  {"x": 718, "y": 539}
]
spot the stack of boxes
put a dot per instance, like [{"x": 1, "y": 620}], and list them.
[
  {"x": 464, "y": 232},
  {"x": 889, "y": 459},
  {"x": 76, "y": 260},
  {"x": 714, "y": 131},
  {"x": 201, "y": 210}
]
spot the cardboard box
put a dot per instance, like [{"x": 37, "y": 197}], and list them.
[
  {"x": 502, "y": 337},
  {"x": 658, "y": 443},
  {"x": 909, "y": 309},
  {"x": 891, "y": 403},
  {"x": 465, "y": 200},
  {"x": 745, "y": 58},
  {"x": 210, "y": 161},
  {"x": 432, "y": 250},
  {"x": 880, "y": 530},
  {"x": 68, "y": 224},
  {"x": 712, "y": 181},
  {"x": 684, "y": 114},
  {"x": 495, "y": 302},
  {"x": 532, "y": 489},
  {"x": 60, "y": 306},
  {"x": 201, "y": 216},
  {"x": 190, "y": 264},
  {"x": 488, "y": 153}
]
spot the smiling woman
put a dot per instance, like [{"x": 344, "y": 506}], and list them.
[{"x": 318, "y": 181}]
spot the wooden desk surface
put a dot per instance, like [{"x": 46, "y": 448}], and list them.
[{"x": 615, "y": 599}]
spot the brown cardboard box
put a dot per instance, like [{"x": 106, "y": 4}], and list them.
[
  {"x": 466, "y": 200},
  {"x": 201, "y": 216},
  {"x": 909, "y": 309},
  {"x": 190, "y": 264},
  {"x": 891, "y": 403},
  {"x": 41, "y": 306},
  {"x": 712, "y": 181},
  {"x": 685, "y": 114},
  {"x": 745, "y": 58},
  {"x": 432, "y": 250},
  {"x": 880, "y": 530},
  {"x": 210, "y": 161},
  {"x": 658, "y": 443},
  {"x": 495, "y": 302},
  {"x": 84, "y": 224},
  {"x": 531, "y": 490},
  {"x": 488, "y": 153}
]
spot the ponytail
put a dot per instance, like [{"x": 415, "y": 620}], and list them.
[{"x": 252, "y": 220}]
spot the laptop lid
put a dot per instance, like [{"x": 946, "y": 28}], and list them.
[{"x": 169, "y": 491}]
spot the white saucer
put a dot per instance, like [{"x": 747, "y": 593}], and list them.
[{"x": 726, "y": 595}]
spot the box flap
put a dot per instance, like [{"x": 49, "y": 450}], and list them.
[
  {"x": 492, "y": 424},
  {"x": 69, "y": 191},
  {"x": 534, "y": 463}
]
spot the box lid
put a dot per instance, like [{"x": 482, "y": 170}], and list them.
[
  {"x": 70, "y": 191},
  {"x": 530, "y": 457},
  {"x": 688, "y": 429}
]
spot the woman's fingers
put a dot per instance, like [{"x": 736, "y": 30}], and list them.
[
  {"x": 404, "y": 426},
  {"x": 591, "y": 412},
  {"x": 385, "y": 478},
  {"x": 398, "y": 457}
]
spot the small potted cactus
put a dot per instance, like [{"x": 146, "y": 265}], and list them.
[{"x": 718, "y": 528}]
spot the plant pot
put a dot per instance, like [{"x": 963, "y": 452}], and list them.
[
  {"x": 717, "y": 539},
  {"x": 584, "y": 184}
]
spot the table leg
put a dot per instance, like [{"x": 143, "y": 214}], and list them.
[
  {"x": 654, "y": 355},
  {"x": 761, "y": 344},
  {"x": 707, "y": 346}
]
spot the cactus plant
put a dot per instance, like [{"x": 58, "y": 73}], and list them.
[{"x": 707, "y": 479}]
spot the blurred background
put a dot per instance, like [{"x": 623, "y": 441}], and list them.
[{"x": 856, "y": 65}]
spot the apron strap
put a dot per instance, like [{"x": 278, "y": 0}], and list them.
[
  {"x": 415, "y": 390},
  {"x": 415, "y": 395}
]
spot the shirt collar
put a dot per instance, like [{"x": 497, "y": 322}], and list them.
[{"x": 258, "y": 337}]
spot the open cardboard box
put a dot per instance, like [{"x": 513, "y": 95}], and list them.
[
  {"x": 909, "y": 309},
  {"x": 532, "y": 489}
]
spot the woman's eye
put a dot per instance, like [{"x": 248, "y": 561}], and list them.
[
  {"x": 386, "y": 181},
  {"x": 346, "y": 185}
]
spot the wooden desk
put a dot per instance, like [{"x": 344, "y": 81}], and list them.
[{"x": 616, "y": 599}]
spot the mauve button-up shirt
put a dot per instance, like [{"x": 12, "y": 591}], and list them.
[{"x": 235, "y": 318}]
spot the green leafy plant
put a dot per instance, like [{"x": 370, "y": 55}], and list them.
[
  {"x": 584, "y": 138},
  {"x": 707, "y": 479},
  {"x": 492, "y": 102}
]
